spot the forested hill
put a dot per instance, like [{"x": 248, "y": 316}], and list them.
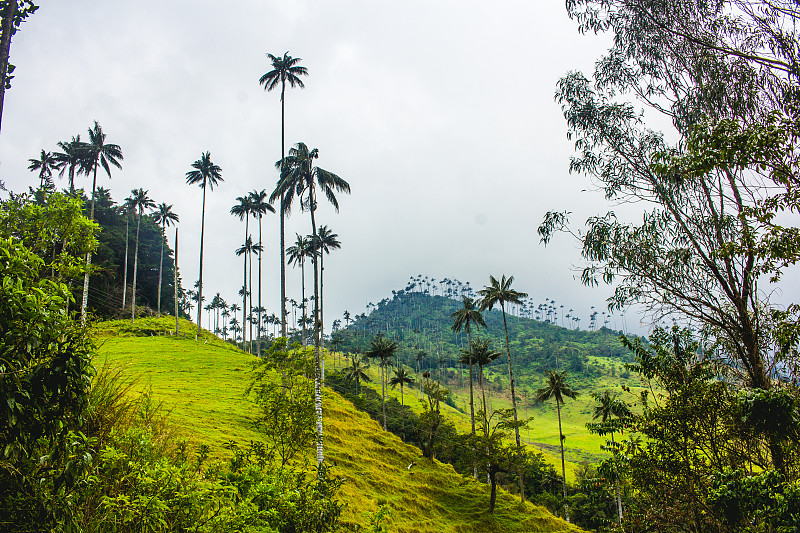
[{"x": 421, "y": 324}]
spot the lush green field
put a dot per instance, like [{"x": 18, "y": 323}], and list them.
[{"x": 201, "y": 382}]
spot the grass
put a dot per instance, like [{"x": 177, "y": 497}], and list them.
[{"x": 202, "y": 384}]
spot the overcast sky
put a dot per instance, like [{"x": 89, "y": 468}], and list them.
[{"x": 439, "y": 114}]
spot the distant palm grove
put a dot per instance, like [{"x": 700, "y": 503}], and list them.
[{"x": 693, "y": 427}]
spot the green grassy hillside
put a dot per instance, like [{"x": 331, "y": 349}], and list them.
[{"x": 201, "y": 382}]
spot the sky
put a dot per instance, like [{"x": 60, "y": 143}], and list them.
[{"x": 439, "y": 114}]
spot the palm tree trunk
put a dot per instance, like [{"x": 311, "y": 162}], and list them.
[
  {"x": 317, "y": 365},
  {"x": 383, "y": 395},
  {"x": 283, "y": 204},
  {"x": 259, "y": 287},
  {"x": 250, "y": 314},
  {"x": 616, "y": 487},
  {"x": 200, "y": 280},
  {"x": 135, "y": 268},
  {"x": 471, "y": 397},
  {"x": 321, "y": 320},
  {"x": 125, "y": 267},
  {"x": 85, "y": 297},
  {"x": 175, "y": 269},
  {"x": 513, "y": 402},
  {"x": 244, "y": 284},
  {"x": 563, "y": 468},
  {"x": 402, "y": 412},
  {"x": 161, "y": 268},
  {"x": 303, "y": 297}
]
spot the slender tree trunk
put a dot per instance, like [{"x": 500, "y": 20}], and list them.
[
  {"x": 303, "y": 296},
  {"x": 161, "y": 267},
  {"x": 250, "y": 314},
  {"x": 383, "y": 395},
  {"x": 259, "y": 286},
  {"x": 321, "y": 320},
  {"x": 135, "y": 268},
  {"x": 85, "y": 297},
  {"x": 513, "y": 403},
  {"x": 616, "y": 487},
  {"x": 283, "y": 205},
  {"x": 244, "y": 284},
  {"x": 317, "y": 365},
  {"x": 200, "y": 284},
  {"x": 5, "y": 47},
  {"x": 471, "y": 397},
  {"x": 402, "y": 412},
  {"x": 125, "y": 267},
  {"x": 493, "y": 494},
  {"x": 563, "y": 468},
  {"x": 175, "y": 269}
]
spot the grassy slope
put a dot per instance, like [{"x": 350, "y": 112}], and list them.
[{"x": 202, "y": 384}]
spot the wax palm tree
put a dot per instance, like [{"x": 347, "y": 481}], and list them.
[
  {"x": 402, "y": 378},
  {"x": 255, "y": 249},
  {"x": 260, "y": 207},
  {"x": 284, "y": 69},
  {"x": 326, "y": 241},
  {"x": 357, "y": 371},
  {"x": 464, "y": 318},
  {"x": 164, "y": 217},
  {"x": 235, "y": 309},
  {"x": 98, "y": 153},
  {"x": 297, "y": 254},
  {"x": 126, "y": 209},
  {"x": 500, "y": 292},
  {"x": 45, "y": 165},
  {"x": 139, "y": 202},
  {"x": 243, "y": 210},
  {"x": 482, "y": 354},
  {"x": 205, "y": 173},
  {"x": 558, "y": 388},
  {"x": 246, "y": 249},
  {"x": 610, "y": 406},
  {"x": 383, "y": 349},
  {"x": 70, "y": 157}
]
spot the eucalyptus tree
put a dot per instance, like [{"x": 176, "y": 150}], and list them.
[
  {"x": 164, "y": 217},
  {"x": 139, "y": 202},
  {"x": 500, "y": 292},
  {"x": 260, "y": 207},
  {"x": 402, "y": 378},
  {"x": 463, "y": 319},
  {"x": 205, "y": 174},
  {"x": 297, "y": 254},
  {"x": 384, "y": 350},
  {"x": 46, "y": 163},
  {"x": 557, "y": 388},
  {"x": 69, "y": 158},
  {"x": 284, "y": 69},
  {"x": 325, "y": 242},
  {"x": 98, "y": 153}
]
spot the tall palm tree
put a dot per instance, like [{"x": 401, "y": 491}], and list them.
[
  {"x": 234, "y": 322},
  {"x": 164, "y": 217},
  {"x": 357, "y": 371},
  {"x": 297, "y": 255},
  {"x": 463, "y": 319},
  {"x": 500, "y": 292},
  {"x": 46, "y": 163},
  {"x": 481, "y": 355},
  {"x": 243, "y": 210},
  {"x": 260, "y": 206},
  {"x": 205, "y": 173},
  {"x": 98, "y": 153},
  {"x": 71, "y": 156},
  {"x": 558, "y": 388},
  {"x": 610, "y": 406},
  {"x": 127, "y": 209},
  {"x": 246, "y": 249},
  {"x": 139, "y": 201},
  {"x": 299, "y": 177},
  {"x": 284, "y": 69},
  {"x": 326, "y": 241},
  {"x": 401, "y": 377},
  {"x": 383, "y": 349}
]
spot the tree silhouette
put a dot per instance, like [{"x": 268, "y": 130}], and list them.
[
  {"x": 126, "y": 208},
  {"x": 205, "y": 173},
  {"x": 45, "y": 165},
  {"x": 71, "y": 156},
  {"x": 401, "y": 378},
  {"x": 558, "y": 388},
  {"x": 326, "y": 241},
  {"x": 243, "y": 210},
  {"x": 98, "y": 153},
  {"x": 297, "y": 254},
  {"x": 164, "y": 217},
  {"x": 356, "y": 371},
  {"x": 609, "y": 406},
  {"x": 284, "y": 69}
]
